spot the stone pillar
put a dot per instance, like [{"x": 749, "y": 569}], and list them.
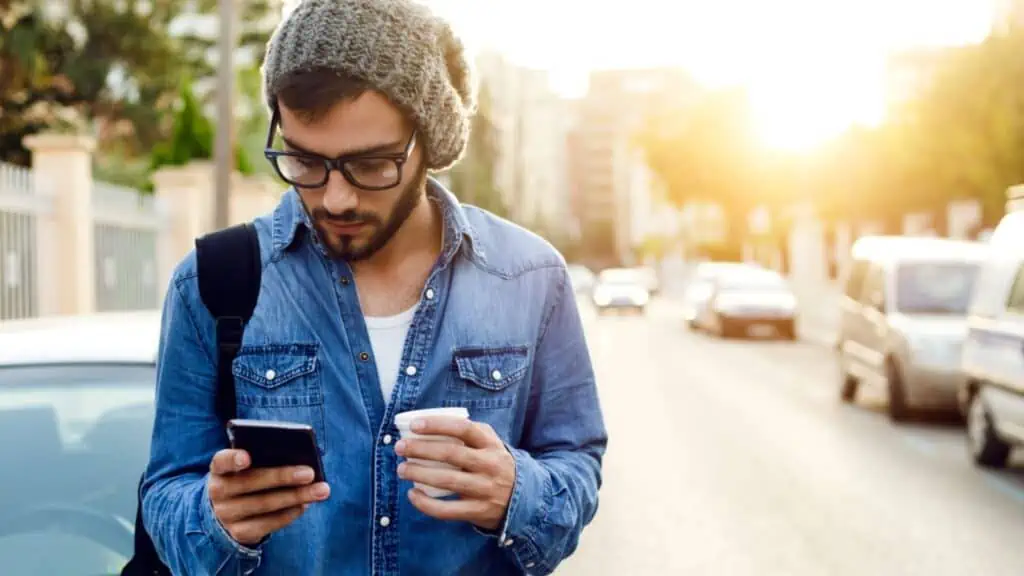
[
  {"x": 252, "y": 196},
  {"x": 62, "y": 164},
  {"x": 186, "y": 194}
]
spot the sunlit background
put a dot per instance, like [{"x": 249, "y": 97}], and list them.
[
  {"x": 836, "y": 174},
  {"x": 812, "y": 67}
]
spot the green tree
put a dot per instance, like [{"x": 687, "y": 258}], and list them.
[
  {"x": 110, "y": 63},
  {"x": 705, "y": 152},
  {"x": 192, "y": 137}
]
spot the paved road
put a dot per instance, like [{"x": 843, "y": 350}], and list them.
[{"x": 735, "y": 459}]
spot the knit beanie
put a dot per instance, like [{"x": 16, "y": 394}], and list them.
[{"x": 399, "y": 48}]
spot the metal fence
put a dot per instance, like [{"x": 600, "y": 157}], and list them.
[
  {"x": 21, "y": 204},
  {"x": 127, "y": 227}
]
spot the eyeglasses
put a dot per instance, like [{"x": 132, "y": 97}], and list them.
[{"x": 365, "y": 171}]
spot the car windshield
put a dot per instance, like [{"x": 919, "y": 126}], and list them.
[
  {"x": 75, "y": 440},
  {"x": 935, "y": 287},
  {"x": 620, "y": 277},
  {"x": 751, "y": 283}
]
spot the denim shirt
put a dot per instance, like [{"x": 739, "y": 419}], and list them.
[{"x": 498, "y": 299}]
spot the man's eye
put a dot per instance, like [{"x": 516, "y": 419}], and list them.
[{"x": 370, "y": 165}]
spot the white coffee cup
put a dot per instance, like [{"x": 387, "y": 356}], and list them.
[{"x": 403, "y": 422}]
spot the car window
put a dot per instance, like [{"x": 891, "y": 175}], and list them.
[
  {"x": 68, "y": 490},
  {"x": 751, "y": 282},
  {"x": 620, "y": 276},
  {"x": 855, "y": 280},
  {"x": 1015, "y": 303},
  {"x": 935, "y": 287}
]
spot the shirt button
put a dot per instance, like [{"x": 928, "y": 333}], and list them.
[
  {"x": 509, "y": 542},
  {"x": 531, "y": 564},
  {"x": 270, "y": 375},
  {"x": 496, "y": 375},
  {"x": 430, "y": 293},
  {"x": 386, "y": 439},
  {"x": 344, "y": 280},
  {"x": 385, "y": 521},
  {"x": 364, "y": 356},
  {"x": 410, "y": 370}
]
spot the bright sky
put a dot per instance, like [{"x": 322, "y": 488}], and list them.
[{"x": 813, "y": 67}]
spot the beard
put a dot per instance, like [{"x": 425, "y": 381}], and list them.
[{"x": 351, "y": 248}]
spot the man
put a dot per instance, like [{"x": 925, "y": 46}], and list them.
[{"x": 380, "y": 294}]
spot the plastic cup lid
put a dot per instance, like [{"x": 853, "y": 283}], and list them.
[{"x": 404, "y": 420}]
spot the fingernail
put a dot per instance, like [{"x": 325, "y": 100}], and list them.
[
  {"x": 321, "y": 491},
  {"x": 239, "y": 459},
  {"x": 400, "y": 446},
  {"x": 401, "y": 470},
  {"x": 304, "y": 474},
  {"x": 418, "y": 425}
]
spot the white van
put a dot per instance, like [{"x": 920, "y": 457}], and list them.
[
  {"x": 992, "y": 395},
  {"x": 903, "y": 319}
]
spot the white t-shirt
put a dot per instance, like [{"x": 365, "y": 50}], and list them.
[{"x": 387, "y": 337}]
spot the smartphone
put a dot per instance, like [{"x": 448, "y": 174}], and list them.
[{"x": 272, "y": 444}]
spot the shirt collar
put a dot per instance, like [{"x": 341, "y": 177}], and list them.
[{"x": 291, "y": 222}]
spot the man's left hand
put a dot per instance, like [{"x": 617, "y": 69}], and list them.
[{"x": 485, "y": 475}]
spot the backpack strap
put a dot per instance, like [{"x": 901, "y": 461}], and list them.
[{"x": 230, "y": 268}]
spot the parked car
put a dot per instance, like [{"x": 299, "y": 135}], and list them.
[
  {"x": 748, "y": 297},
  {"x": 76, "y": 416},
  {"x": 701, "y": 285},
  {"x": 621, "y": 289},
  {"x": 991, "y": 395},
  {"x": 903, "y": 319}
]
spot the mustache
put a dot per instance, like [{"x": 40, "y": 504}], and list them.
[{"x": 346, "y": 217}]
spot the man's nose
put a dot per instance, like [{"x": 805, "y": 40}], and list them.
[{"x": 339, "y": 195}]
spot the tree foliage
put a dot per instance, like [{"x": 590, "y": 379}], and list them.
[
  {"x": 192, "y": 138},
  {"x": 705, "y": 152},
  {"x": 960, "y": 137},
  {"x": 111, "y": 66}
]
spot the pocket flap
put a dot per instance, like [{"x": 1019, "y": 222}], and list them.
[
  {"x": 275, "y": 365},
  {"x": 492, "y": 368}
]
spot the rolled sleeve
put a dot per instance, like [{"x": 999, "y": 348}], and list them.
[{"x": 522, "y": 533}]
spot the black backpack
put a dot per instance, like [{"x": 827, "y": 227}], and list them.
[{"x": 229, "y": 268}]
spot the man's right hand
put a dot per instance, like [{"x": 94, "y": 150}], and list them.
[{"x": 252, "y": 503}]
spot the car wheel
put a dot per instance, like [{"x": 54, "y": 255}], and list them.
[
  {"x": 985, "y": 446},
  {"x": 899, "y": 411}
]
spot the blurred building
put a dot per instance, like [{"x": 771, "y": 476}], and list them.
[
  {"x": 1009, "y": 14},
  {"x": 602, "y": 153},
  {"x": 531, "y": 122}
]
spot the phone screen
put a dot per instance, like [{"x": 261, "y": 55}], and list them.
[{"x": 273, "y": 444}]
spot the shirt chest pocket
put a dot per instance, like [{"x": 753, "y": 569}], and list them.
[
  {"x": 281, "y": 382},
  {"x": 487, "y": 378}
]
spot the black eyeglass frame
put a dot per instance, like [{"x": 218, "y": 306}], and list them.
[{"x": 330, "y": 165}]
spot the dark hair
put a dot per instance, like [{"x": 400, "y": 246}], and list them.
[{"x": 312, "y": 93}]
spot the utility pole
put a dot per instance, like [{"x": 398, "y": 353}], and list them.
[{"x": 224, "y": 158}]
